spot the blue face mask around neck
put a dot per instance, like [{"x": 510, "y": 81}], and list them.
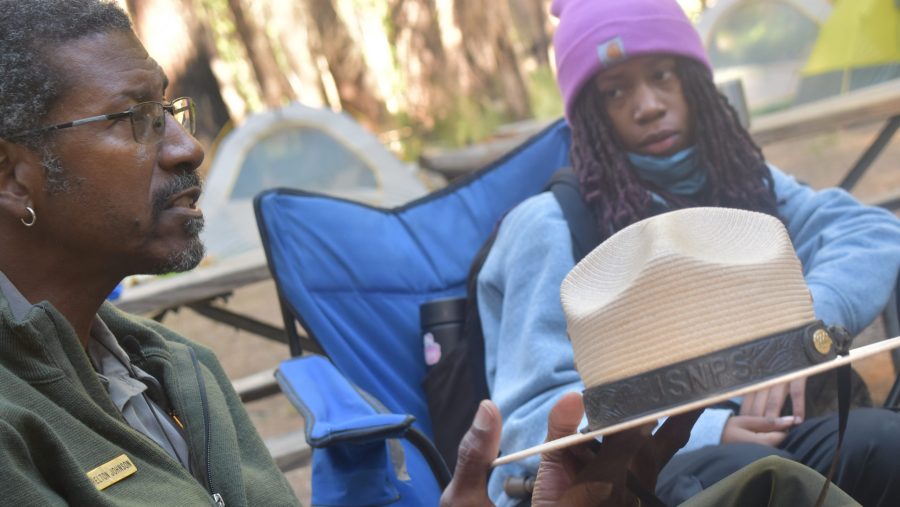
[{"x": 678, "y": 173}]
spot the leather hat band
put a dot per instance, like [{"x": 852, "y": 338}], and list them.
[{"x": 704, "y": 376}]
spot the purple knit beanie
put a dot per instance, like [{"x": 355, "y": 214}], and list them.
[{"x": 594, "y": 34}]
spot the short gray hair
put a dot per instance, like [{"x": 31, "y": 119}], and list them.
[{"x": 29, "y": 29}]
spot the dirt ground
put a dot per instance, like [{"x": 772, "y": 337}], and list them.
[{"x": 819, "y": 161}]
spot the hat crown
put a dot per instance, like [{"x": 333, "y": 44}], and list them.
[{"x": 681, "y": 285}]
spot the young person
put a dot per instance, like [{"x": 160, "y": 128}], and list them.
[{"x": 650, "y": 133}]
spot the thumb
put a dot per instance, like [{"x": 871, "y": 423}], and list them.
[
  {"x": 478, "y": 448},
  {"x": 565, "y": 416}
]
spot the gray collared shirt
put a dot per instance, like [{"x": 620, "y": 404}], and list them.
[{"x": 126, "y": 383}]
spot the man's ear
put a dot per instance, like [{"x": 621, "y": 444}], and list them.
[{"x": 21, "y": 176}]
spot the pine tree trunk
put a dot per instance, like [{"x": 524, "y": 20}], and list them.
[
  {"x": 276, "y": 89},
  {"x": 430, "y": 79},
  {"x": 531, "y": 19},
  {"x": 330, "y": 38},
  {"x": 490, "y": 53},
  {"x": 184, "y": 51}
]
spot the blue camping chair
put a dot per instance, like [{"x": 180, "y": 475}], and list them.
[{"x": 354, "y": 277}]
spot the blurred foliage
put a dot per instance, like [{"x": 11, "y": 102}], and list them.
[
  {"x": 232, "y": 52},
  {"x": 543, "y": 94}
]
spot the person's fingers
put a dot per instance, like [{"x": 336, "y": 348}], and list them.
[
  {"x": 798, "y": 400},
  {"x": 564, "y": 419},
  {"x": 479, "y": 446},
  {"x": 758, "y": 430},
  {"x": 769, "y": 438},
  {"x": 775, "y": 401},
  {"x": 558, "y": 469},
  {"x": 624, "y": 444},
  {"x": 759, "y": 403},
  {"x": 764, "y": 424},
  {"x": 739, "y": 435},
  {"x": 673, "y": 435},
  {"x": 747, "y": 403},
  {"x": 565, "y": 416}
]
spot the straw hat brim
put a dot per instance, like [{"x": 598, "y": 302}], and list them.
[{"x": 578, "y": 438}]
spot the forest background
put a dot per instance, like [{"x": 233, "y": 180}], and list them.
[{"x": 414, "y": 72}]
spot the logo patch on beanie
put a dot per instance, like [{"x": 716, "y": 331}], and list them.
[{"x": 611, "y": 51}]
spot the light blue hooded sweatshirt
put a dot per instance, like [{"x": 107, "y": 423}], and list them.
[{"x": 850, "y": 255}]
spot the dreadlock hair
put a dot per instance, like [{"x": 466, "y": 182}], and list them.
[{"x": 737, "y": 173}]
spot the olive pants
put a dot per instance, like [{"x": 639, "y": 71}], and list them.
[
  {"x": 868, "y": 468},
  {"x": 771, "y": 481}
]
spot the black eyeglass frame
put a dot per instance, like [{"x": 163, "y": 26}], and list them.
[{"x": 165, "y": 106}]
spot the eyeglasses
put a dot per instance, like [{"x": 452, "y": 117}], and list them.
[{"x": 148, "y": 121}]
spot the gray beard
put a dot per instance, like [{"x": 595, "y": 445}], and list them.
[
  {"x": 59, "y": 182},
  {"x": 188, "y": 258}
]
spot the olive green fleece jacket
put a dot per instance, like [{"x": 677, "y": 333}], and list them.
[{"x": 57, "y": 422}]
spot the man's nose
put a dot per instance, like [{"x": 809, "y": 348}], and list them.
[
  {"x": 647, "y": 104},
  {"x": 180, "y": 151}
]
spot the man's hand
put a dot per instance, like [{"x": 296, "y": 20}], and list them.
[
  {"x": 588, "y": 475},
  {"x": 595, "y": 474},
  {"x": 559, "y": 479},
  {"x": 478, "y": 448},
  {"x": 759, "y": 421}
]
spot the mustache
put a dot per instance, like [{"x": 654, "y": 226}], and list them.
[{"x": 181, "y": 182}]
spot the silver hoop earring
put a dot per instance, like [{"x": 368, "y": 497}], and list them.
[{"x": 33, "y": 219}]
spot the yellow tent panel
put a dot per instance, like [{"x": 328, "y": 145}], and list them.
[{"x": 859, "y": 33}]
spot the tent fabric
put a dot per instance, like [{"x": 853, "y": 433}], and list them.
[
  {"x": 859, "y": 33},
  {"x": 354, "y": 275},
  {"x": 858, "y": 46}
]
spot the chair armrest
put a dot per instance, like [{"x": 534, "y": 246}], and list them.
[{"x": 335, "y": 410}]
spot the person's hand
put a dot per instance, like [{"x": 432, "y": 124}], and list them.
[
  {"x": 753, "y": 429},
  {"x": 595, "y": 474},
  {"x": 759, "y": 421},
  {"x": 769, "y": 402},
  {"x": 589, "y": 474},
  {"x": 478, "y": 448}
]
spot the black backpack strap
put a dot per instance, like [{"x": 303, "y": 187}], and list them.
[{"x": 581, "y": 220}]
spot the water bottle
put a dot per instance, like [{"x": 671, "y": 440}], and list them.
[{"x": 442, "y": 322}]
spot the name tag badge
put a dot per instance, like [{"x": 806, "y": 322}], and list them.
[{"x": 112, "y": 472}]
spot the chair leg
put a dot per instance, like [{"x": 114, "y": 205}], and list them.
[{"x": 432, "y": 456}]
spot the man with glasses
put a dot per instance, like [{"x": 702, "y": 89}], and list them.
[{"x": 98, "y": 181}]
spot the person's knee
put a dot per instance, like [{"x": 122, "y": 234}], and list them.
[
  {"x": 873, "y": 435},
  {"x": 689, "y": 473}
]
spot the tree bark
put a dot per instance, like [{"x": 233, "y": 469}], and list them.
[
  {"x": 276, "y": 90},
  {"x": 430, "y": 79},
  {"x": 185, "y": 51},
  {"x": 490, "y": 53},
  {"x": 330, "y": 38},
  {"x": 531, "y": 19}
]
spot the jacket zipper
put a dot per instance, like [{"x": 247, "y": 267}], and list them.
[{"x": 204, "y": 405}]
